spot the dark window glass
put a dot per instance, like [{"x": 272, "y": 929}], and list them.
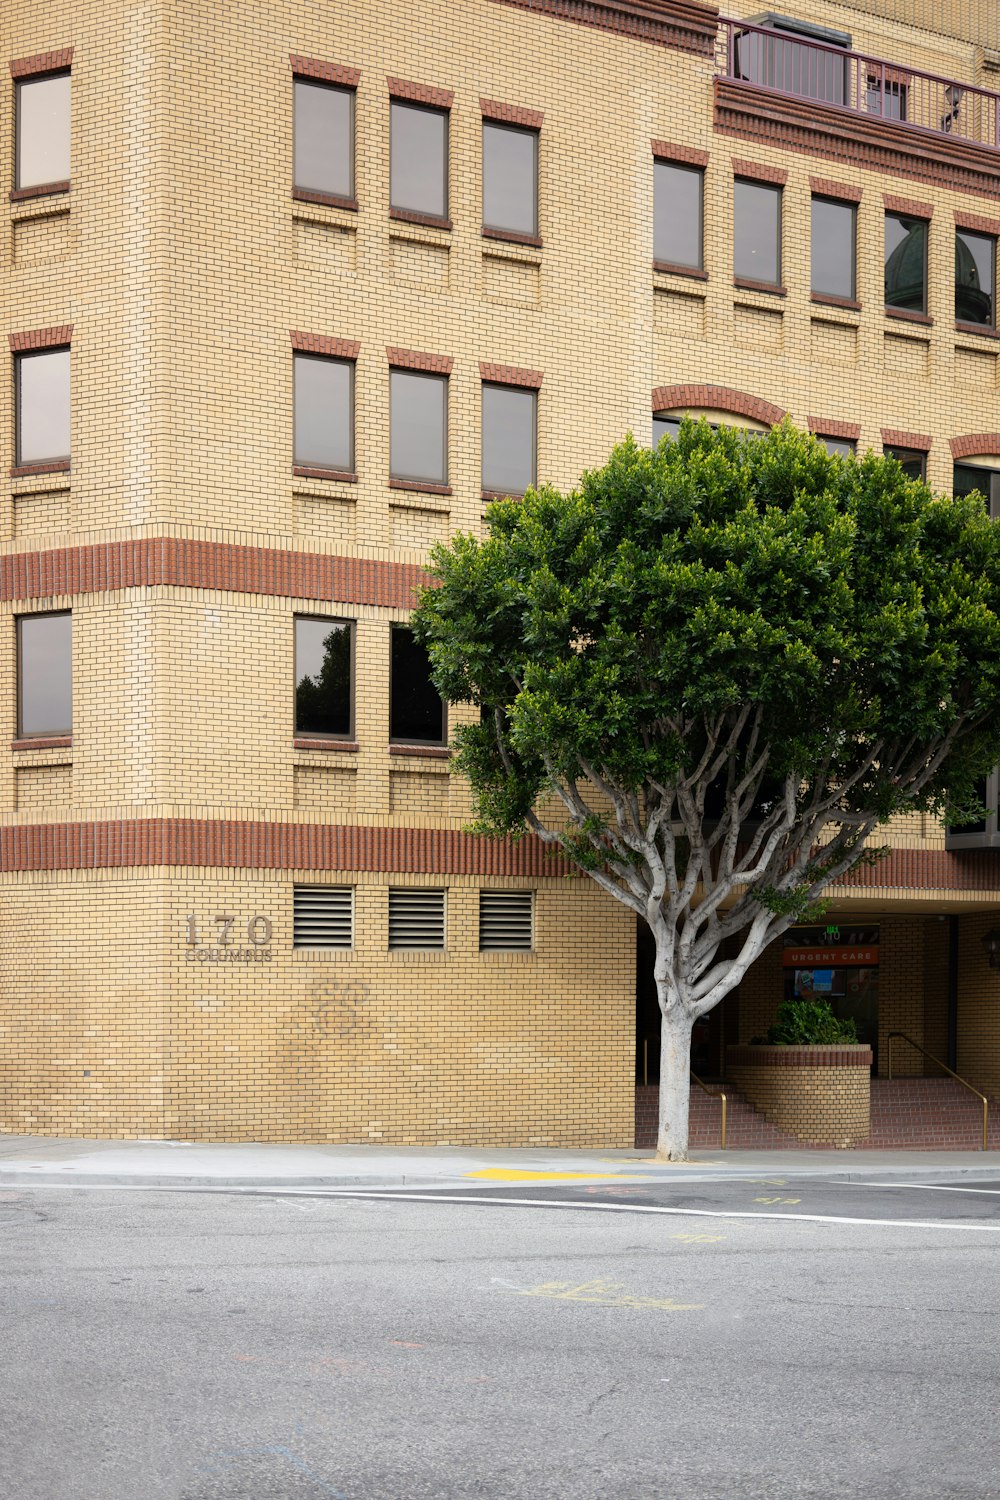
[
  {"x": 45, "y": 674},
  {"x": 757, "y": 232},
  {"x": 975, "y": 277},
  {"x": 665, "y": 427},
  {"x": 324, "y": 139},
  {"x": 42, "y": 153},
  {"x": 416, "y": 712},
  {"x": 418, "y": 427},
  {"x": 886, "y": 99},
  {"x": 418, "y": 160},
  {"x": 42, "y": 382},
  {"x": 833, "y": 248},
  {"x": 323, "y": 676},
  {"x": 677, "y": 214},
  {"x": 969, "y": 477},
  {"x": 324, "y": 412},
  {"x": 839, "y": 447},
  {"x": 510, "y": 179},
  {"x": 508, "y": 439},
  {"x": 906, "y": 262},
  {"x": 793, "y": 67},
  {"x": 912, "y": 462}
]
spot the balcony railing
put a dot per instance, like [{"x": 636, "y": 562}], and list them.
[{"x": 784, "y": 63}]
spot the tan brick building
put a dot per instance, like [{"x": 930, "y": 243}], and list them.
[{"x": 289, "y": 290}]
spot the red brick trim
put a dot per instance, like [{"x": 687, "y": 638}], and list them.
[
  {"x": 193, "y": 842},
  {"x": 826, "y": 299},
  {"x": 683, "y": 24},
  {"x": 846, "y": 192},
  {"x": 329, "y": 200},
  {"x": 769, "y": 288},
  {"x": 717, "y": 398},
  {"x": 856, "y": 140},
  {"x": 830, "y": 427},
  {"x": 976, "y": 223},
  {"x": 303, "y": 743},
  {"x": 511, "y": 114},
  {"x": 895, "y": 437},
  {"x": 510, "y": 375},
  {"x": 420, "y": 93},
  {"x": 667, "y": 268},
  {"x": 321, "y": 343},
  {"x": 41, "y": 338},
  {"x": 907, "y": 315},
  {"x": 152, "y": 562},
  {"x": 430, "y": 221},
  {"x": 847, "y": 1056},
  {"x": 44, "y": 742},
  {"x": 303, "y": 471},
  {"x": 314, "y": 67},
  {"x": 42, "y": 62},
  {"x": 422, "y": 752},
  {"x": 488, "y": 496},
  {"x": 48, "y": 466},
  {"x": 759, "y": 171},
  {"x": 420, "y": 486},
  {"x": 978, "y": 330},
  {"x": 975, "y": 445},
  {"x": 413, "y": 359},
  {"x": 40, "y": 190},
  {"x": 684, "y": 155},
  {"x": 913, "y": 207},
  {"x": 511, "y": 236}
]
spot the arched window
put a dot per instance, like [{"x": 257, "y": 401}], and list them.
[
  {"x": 981, "y": 473},
  {"x": 667, "y": 423}
]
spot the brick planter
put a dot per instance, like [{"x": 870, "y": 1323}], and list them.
[{"x": 821, "y": 1095}]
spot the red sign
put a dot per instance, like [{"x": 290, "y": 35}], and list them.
[{"x": 830, "y": 958}]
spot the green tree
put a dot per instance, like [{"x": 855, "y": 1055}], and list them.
[{"x": 728, "y": 660}]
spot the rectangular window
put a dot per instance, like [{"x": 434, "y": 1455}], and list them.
[
  {"x": 505, "y": 921},
  {"x": 323, "y": 139},
  {"x": 665, "y": 427},
  {"x": 975, "y": 277},
  {"x": 42, "y": 131},
  {"x": 416, "y": 918},
  {"x": 812, "y": 68},
  {"x": 834, "y": 240},
  {"x": 418, "y": 159},
  {"x": 416, "y": 711},
  {"x": 510, "y": 179},
  {"x": 323, "y": 404},
  {"x": 44, "y": 674},
  {"x": 969, "y": 477},
  {"x": 42, "y": 400},
  {"x": 885, "y": 98},
  {"x": 418, "y": 427},
  {"x": 757, "y": 232},
  {"x": 324, "y": 677},
  {"x": 839, "y": 447},
  {"x": 509, "y": 438},
  {"x": 906, "y": 262},
  {"x": 322, "y": 916},
  {"x": 912, "y": 462},
  {"x": 678, "y": 198}
]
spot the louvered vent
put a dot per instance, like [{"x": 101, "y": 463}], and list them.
[
  {"x": 416, "y": 918},
  {"x": 324, "y": 916},
  {"x": 505, "y": 921}
]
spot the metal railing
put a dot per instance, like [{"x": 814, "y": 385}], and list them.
[
  {"x": 950, "y": 1071},
  {"x": 714, "y": 1094},
  {"x": 788, "y": 64}
]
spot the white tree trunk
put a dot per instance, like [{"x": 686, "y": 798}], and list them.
[{"x": 675, "y": 1083}]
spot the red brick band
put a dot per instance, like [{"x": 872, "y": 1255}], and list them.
[
  {"x": 975, "y": 445},
  {"x": 412, "y": 359},
  {"x": 912, "y": 206},
  {"x": 194, "y": 842},
  {"x": 313, "y": 67},
  {"x": 799, "y": 1057},
  {"x": 684, "y": 24},
  {"x": 894, "y": 437},
  {"x": 320, "y": 343},
  {"x": 420, "y": 93},
  {"x": 41, "y": 62},
  {"x": 152, "y": 562},
  {"x": 510, "y": 375},
  {"x": 41, "y": 338},
  {"x": 669, "y": 151},
  {"x": 847, "y": 192},
  {"x": 759, "y": 171},
  {"x": 828, "y": 427},
  {"x": 717, "y": 398},
  {"x": 511, "y": 114},
  {"x": 40, "y": 190},
  {"x": 976, "y": 223}
]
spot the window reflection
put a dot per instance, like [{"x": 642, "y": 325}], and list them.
[
  {"x": 323, "y": 670},
  {"x": 906, "y": 262},
  {"x": 416, "y": 711},
  {"x": 975, "y": 274}
]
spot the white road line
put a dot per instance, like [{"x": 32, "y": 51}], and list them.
[{"x": 926, "y": 1187}]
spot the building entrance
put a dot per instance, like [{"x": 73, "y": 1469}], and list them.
[{"x": 838, "y": 964}]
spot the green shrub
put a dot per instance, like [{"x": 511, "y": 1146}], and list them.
[{"x": 810, "y": 1023}]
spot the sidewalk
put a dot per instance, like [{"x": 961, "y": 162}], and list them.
[{"x": 180, "y": 1164}]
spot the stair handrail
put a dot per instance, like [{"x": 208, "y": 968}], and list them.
[
  {"x": 950, "y": 1071},
  {"x": 714, "y": 1094}
]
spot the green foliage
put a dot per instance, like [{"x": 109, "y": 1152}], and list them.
[{"x": 809, "y": 1023}]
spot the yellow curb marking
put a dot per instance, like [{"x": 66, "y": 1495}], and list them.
[
  {"x": 607, "y": 1293},
  {"x": 505, "y": 1174},
  {"x": 777, "y": 1200}
]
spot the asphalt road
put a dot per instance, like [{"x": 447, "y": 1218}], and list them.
[{"x": 742, "y": 1340}]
